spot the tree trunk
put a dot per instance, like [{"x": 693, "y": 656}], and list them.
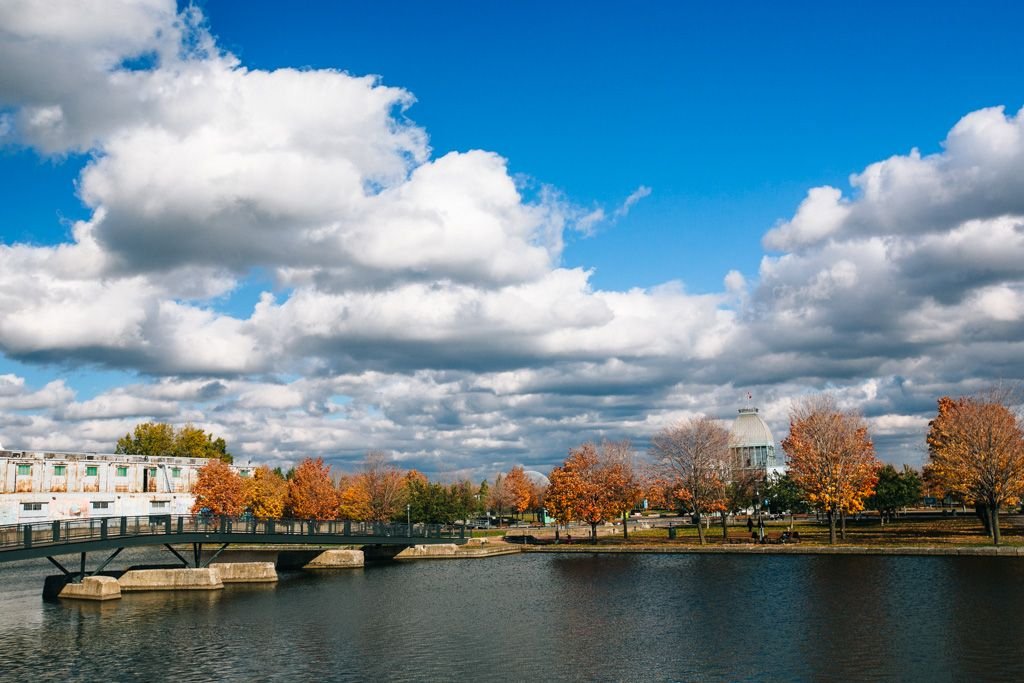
[
  {"x": 725, "y": 527},
  {"x": 625, "y": 525},
  {"x": 700, "y": 529},
  {"x": 557, "y": 525},
  {"x": 842, "y": 524},
  {"x": 831, "y": 526},
  {"x": 982, "y": 511},
  {"x": 593, "y": 531},
  {"x": 994, "y": 513}
]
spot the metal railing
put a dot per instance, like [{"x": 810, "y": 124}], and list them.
[{"x": 244, "y": 529}]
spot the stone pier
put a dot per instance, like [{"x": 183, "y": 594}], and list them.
[
  {"x": 426, "y": 551},
  {"x": 337, "y": 559},
  {"x": 170, "y": 580},
  {"x": 245, "y": 572},
  {"x": 92, "y": 588}
]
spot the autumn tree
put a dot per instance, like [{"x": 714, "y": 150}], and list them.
[
  {"x": 218, "y": 490},
  {"x": 266, "y": 493},
  {"x": 590, "y": 486},
  {"x": 385, "y": 485},
  {"x": 311, "y": 493},
  {"x": 623, "y": 477},
  {"x": 519, "y": 490},
  {"x": 976, "y": 451},
  {"x": 159, "y": 438},
  {"x": 694, "y": 456},
  {"x": 830, "y": 457},
  {"x": 353, "y": 498},
  {"x": 499, "y": 496}
]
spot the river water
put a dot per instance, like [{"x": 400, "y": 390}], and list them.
[{"x": 540, "y": 617}]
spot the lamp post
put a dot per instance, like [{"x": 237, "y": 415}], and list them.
[{"x": 408, "y": 520}]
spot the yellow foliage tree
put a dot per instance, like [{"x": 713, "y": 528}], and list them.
[
  {"x": 266, "y": 493},
  {"x": 830, "y": 457},
  {"x": 976, "y": 448},
  {"x": 355, "y": 502}
]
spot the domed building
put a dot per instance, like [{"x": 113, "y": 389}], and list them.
[{"x": 752, "y": 445}]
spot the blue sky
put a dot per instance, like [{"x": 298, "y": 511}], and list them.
[{"x": 730, "y": 116}]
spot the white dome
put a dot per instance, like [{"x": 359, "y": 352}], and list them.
[
  {"x": 748, "y": 429},
  {"x": 537, "y": 478}
]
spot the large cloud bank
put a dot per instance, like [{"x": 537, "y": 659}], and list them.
[{"x": 419, "y": 303}]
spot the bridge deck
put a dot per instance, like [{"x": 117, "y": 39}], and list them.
[{"x": 25, "y": 541}]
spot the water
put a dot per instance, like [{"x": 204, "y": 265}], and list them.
[{"x": 542, "y": 617}]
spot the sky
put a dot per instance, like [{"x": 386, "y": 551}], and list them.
[{"x": 476, "y": 235}]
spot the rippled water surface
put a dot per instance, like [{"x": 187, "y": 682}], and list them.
[{"x": 542, "y": 617}]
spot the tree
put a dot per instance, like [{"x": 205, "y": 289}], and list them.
[
  {"x": 895, "y": 490},
  {"x": 830, "y": 457},
  {"x": 588, "y": 486},
  {"x": 148, "y": 438},
  {"x": 311, "y": 493},
  {"x": 353, "y": 498},
  {"x": 266, "y": 493},
  {"x": 218, "y": 490},
  {"x": 694, "y": 456},
  {"x": 162, "y": 439},
  {"x": 500, "y": 497},
  {"x": 976, "y": 451},
  {"x": 519, "y": 490},
  {"x": 782, "y": 494},
  {"x": 482, "y": 498},
  {"x": 622, "y": 478},
  {"x": 385, "y": 485}
]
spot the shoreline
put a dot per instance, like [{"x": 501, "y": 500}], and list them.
[{"x": 751, "y": 549}]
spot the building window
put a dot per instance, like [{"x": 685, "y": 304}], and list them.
[
  {"x": 92, "y": 471},
  {"x": 24, "y": 470},
  {"x": 101, "y": 505},
  {"x": 159, "y": 504},
  {"x": 60, "y": 470},
  {"x": 176, "y": 472},
  {"x": 31, "y": 506},
  {"x": 122, "y": 471},
  {"x": 244, "y": 473}
]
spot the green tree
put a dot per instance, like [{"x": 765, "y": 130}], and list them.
[
  {"x": 160, "y": 438},
  {"x": 148, "y": 438},
  {"x": 781, "y": 494},
  {"x": 895, "y": 490}
]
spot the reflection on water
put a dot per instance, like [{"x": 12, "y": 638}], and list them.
[{"x": 543, "y": 617}]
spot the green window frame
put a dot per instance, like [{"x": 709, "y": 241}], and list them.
[
  {"x": 122, "y": 470},
  {"x": 176, "y": 472},
  {"x": 60, "y": 470},
  {"x": 24, "y": 470},
  {"x": 92, "y": 470}
]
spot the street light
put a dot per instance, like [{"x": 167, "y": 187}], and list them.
[{"x": 408, "y": 520}]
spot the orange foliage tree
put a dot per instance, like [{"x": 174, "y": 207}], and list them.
[
  {"x": 219, "y": 490},
  {"x": 976, "y": 448},
  {"x": 385, "y": 487},
  {"x": 266, "y": 493},
  {"x": 694, "y": 456},
  {"x": 830, "y": 457},
  {"x": 520, "y": 489},
  {"x": 622, "y": 477},
  {"x": 353, "y": 498},
  {"x": 589, "y": 486},
  {"x": 311, "y": 493}
]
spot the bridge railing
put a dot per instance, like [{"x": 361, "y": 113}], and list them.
[{"x": 69, "y": 532}]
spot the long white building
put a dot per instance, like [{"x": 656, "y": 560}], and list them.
[{"x": 41, "y": 486}]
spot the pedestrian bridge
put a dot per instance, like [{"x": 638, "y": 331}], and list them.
[{"x": 62, "y": 537}]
